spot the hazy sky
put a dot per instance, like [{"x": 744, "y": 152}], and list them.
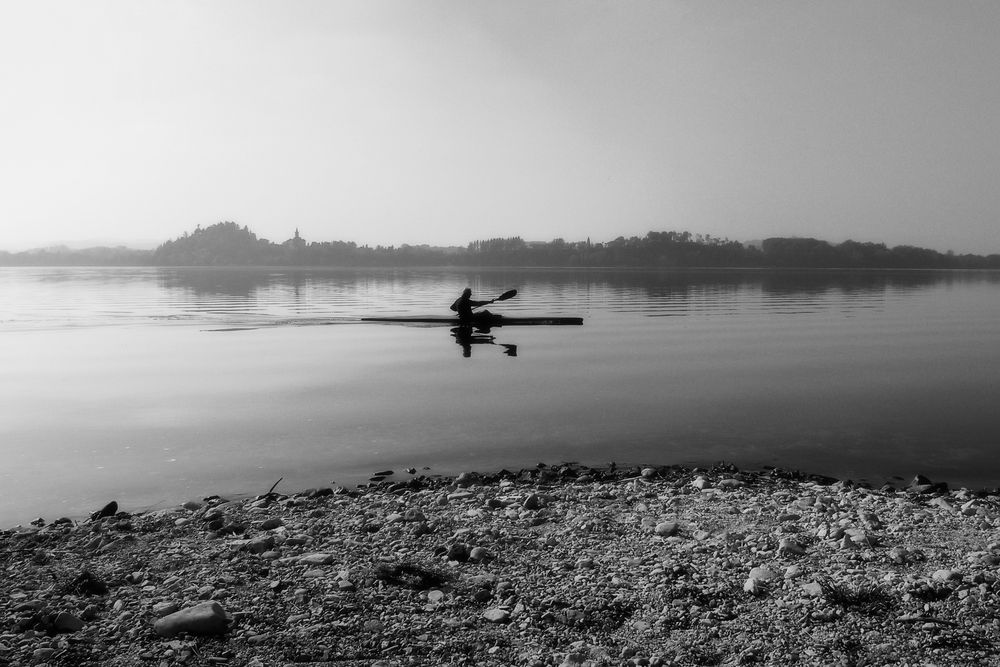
[{"x": 445, "y": 121}]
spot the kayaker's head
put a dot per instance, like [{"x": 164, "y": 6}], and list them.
[{"x": 467, "y": 292}]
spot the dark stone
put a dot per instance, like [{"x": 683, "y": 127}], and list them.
[
  {"x": 459, "y": 551},
  {"x": 207, "y": 618},
  {"x": 88, "y": 584},
  {"x": 232, "y": 529},
  {"x": 66, "y": 622},
  {"x": 467, "y": 479},
  {"x": 410, "y": 575},
  {"x": 108, "y": 510}
]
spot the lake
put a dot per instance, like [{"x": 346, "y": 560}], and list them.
[{"x": 151, "y": 386}]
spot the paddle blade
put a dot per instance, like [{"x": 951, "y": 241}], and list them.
[{"x": 510, "y": 294}]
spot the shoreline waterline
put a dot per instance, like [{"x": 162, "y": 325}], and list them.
[{"x": 445, "y": 473}]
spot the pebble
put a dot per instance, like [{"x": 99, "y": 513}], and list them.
[
  {"x": 763, "y": 574},
  {"x": 480, "y": 555},
  {"x": 316, "y": 559},
  {"x": 496, "y": 615},
  {"x": 813, "y": 589},
  {"x": 789, "y": 547},
  {"x": 459, "y": 551},
  {"x": 666, "y": 528},
  {"x": 207, "y": 618}
]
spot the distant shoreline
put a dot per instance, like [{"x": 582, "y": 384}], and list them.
[{"x": 228, "y": 244}]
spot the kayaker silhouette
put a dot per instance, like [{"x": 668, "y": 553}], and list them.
[{"x": 464, "y": 304}]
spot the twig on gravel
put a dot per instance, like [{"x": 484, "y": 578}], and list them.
[{"x": 917, "y": 618}]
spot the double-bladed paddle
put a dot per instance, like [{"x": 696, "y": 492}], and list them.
[{"x": 509, "y": 294}]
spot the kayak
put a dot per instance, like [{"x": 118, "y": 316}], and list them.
[{"x": 484, "y": 320}]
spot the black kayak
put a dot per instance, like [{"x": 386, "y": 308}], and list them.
[{"x": 482, "y": 320}]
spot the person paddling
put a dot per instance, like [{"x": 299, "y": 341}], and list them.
[{"x": 464, "y": 304}]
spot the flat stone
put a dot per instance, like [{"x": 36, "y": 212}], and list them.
[
  {"x": 763, "y": 574},
  {"x": 496, "y": 615},
  {"x": 789, "y": 547},
  {"x": 207, "y": 618},
  {"x": 812, "y": 589},
  {"x": 316, "y": 559}
]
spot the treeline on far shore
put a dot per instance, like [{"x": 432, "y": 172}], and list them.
[{"x": 228, "y": 244}]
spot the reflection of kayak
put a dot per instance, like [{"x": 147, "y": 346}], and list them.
[{"x": 482, "y": 320}]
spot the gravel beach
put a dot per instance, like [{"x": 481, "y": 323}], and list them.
[{"x": 553, "y": 565}]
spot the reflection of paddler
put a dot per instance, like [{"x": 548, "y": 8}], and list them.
[{"x": 466, "y": 337}]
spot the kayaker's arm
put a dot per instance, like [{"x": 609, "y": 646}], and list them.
[{"x": 472, "y": 304}]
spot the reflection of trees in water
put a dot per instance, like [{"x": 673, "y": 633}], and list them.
[
  {"x": 550, "y": 291},
  {"x": 636, "y": 291},
  {"x": 218, "y": 282},
  {"x": 246, "y": 281}
]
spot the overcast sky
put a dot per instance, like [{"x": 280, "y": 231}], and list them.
[{"x": 415, "y": 121}]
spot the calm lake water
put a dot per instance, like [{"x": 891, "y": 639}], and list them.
[{"x": 151, "y": 386}]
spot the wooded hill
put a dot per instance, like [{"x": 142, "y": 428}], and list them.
[{"x": 228, "y": 244}]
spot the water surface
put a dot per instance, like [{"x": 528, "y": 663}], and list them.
[{"x": 150, "y": 386}]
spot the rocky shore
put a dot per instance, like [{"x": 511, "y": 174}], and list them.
[{"x": 560, "y": 565}]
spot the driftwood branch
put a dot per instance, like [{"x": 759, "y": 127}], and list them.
[
  {"x": 925, "y": 619},
  {"x": 273, "y": 486}
]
